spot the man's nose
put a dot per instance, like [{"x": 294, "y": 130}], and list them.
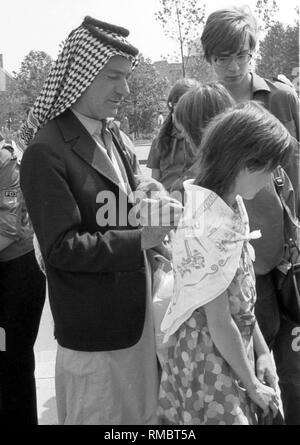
[
  {"x": 123, "y": 88},
  {"x": 233, "y": 65}
]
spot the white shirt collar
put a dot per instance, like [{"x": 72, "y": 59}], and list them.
[{"x": 91, "y": 125}]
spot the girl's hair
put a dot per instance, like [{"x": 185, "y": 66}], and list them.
[
  {"x": 198, "y": 106},
  {"x": 178, "y": 89},
  {"x": 227, "y": 30},
  {"x": 247, "y": 136}
]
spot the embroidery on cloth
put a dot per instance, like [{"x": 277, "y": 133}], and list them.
[{"x": 205, "y": 256}]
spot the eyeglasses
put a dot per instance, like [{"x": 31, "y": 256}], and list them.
[{"x": 240, "y": 59}]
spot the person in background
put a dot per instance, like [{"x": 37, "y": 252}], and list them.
[
  {"x": 160, "y": 120},
  {"x": 170, "y": 154},
  {"x": 229, "y": 40},
  {"x": 22, "y": 296},
  {"x": 125, "y": 125},
  {"x": 93, "y": 251},
  {"x": 192, "y": 114},
  {"x": 282, "y": 78},
  {"x": 211, "y": 375}
]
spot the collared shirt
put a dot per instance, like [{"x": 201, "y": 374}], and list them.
[
  {"x": 94, "y": 128},
  {"x": 265, "y": 210},
  {"x": 280, "y": 99},
  {"x": 174, "y": 163},
  {"x": 258, "y": 84}
]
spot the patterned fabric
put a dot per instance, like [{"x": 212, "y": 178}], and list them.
[
  {"x": 81, "y": 59},
  {"x": 198, "y": 387},
  {"x": 206, "y": 252}
]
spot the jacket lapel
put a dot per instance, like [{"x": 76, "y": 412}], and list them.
[
  {"x": 84, "y": 146},
  {"x": 88, "y": 150}
]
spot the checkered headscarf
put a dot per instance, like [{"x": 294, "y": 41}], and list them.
[{"x": 86, "y": 51}]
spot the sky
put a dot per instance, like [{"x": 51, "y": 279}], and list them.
[{"x": 41, "y": 25}]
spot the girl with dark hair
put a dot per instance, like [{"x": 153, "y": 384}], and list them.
[
  {"x": 197, "y": 107},
  {"x": 192, "y": 114},
  {"x": 170, "y": 154},
  {"x": 226, "y": 152},
  {"x": 210, "y": 376},
  {"x": 229, "y": 40}
]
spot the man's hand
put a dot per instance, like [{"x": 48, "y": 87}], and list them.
[
  {"x": 149, "y": 185},
  {"x": 153, "y": 236},
  {"x": 160, "y": 212}
]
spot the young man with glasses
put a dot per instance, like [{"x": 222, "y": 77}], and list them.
[{"x": 229, "y": 40}]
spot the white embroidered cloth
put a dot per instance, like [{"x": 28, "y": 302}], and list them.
[{"x": 206, "y": 251}]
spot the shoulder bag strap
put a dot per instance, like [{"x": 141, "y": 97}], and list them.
[{"x": 279, "y": 184}]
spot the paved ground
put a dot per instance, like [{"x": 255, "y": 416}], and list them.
[
  {"x": 45, "y": 351},
  {"x": 45, "y": 347},
  {"x": 142, "y": 152}
]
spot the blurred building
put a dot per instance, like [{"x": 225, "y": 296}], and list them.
[
  {"x": 172, "y": 71},
  {"x": 5, "y": 77},
  {"x": 195, "y": 66}
]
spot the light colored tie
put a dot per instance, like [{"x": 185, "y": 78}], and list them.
[{"x": 106, "y": 138}]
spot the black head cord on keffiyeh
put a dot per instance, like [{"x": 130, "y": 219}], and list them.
[{"x": 86, "y": 51}]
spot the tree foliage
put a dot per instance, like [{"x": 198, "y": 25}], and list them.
[
  {"x": 181, "y": 20},
  {"x": 197, "y": 66},
  {"x": 33, "y": 72},
  {"x": 24, "y": 88},
  {"x": 147, "y": 90},
  {"x": 279, "y": 51},
  {"x": 11, "y": 108},
  {"x": 266, "y": 10}
]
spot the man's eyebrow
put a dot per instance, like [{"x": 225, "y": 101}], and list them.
[{"x": 116, "y": 71}]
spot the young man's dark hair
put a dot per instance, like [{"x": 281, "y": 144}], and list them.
[{"x": 227, "y": 29}]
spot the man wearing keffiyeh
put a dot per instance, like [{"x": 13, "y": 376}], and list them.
[{"x": 106, "y": 365}]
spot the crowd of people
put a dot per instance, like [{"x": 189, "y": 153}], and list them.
[{"x": 217, "y": 149}]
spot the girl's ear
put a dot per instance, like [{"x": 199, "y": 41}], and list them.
[{"x": 244, "y": 171}]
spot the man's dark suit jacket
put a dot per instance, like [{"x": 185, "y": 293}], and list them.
[{"x": 95, "y": 274}]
